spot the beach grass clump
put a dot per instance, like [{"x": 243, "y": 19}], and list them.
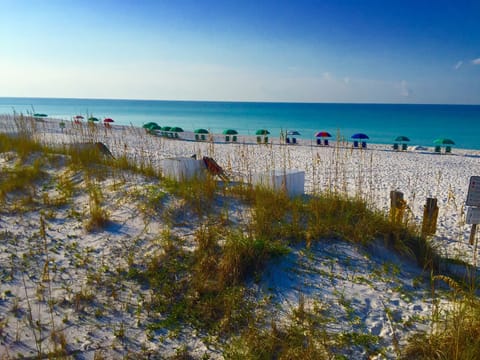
[
  {"x": 198, "y": 193},
  {"x": 98, "y": 215},
  {"x": 21, "y": 179},
  {"x": 302, "y": 336},
  {"x": 456, "y": 334},
  {"x": 23, "y": 143}
]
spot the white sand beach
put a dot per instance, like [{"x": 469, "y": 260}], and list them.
[{"x": 377, "y": 304}]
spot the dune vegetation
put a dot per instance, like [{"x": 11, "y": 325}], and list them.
[{"x": 104, "y": 257}]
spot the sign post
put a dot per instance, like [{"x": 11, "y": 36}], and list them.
[{"x": 473, "y": 201}]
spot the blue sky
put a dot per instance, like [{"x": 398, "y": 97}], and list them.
[{"x": 300, "y": 51}]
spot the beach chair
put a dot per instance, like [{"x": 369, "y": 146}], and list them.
[
  {"x": 395, "y": 146},
  {"x": 325, "y": 142},
  {"x": 438, "y": 149},
  {"x": 234, "y": 138},
  {"x": 319, "y": 142},
  {"x": 364, "y": 145},
  {"x": 287, "y": 140},
  {"x": 176, "y": 135},
  {"x": 197, "y": 138},
  {"x": 202, "y": 137},
  {"x": 259, "y": 139},
  {"x": 265, "y": 139},
  {"x": 404, "y": 147},
  {"x": 227, "y": 138},
  {"x": 355, "y": 144},
  {"x": 448, "y": 150},
  {"x": 294, "y": 140}
]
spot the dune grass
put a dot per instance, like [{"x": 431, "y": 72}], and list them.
[{"x": 208, "y": 286}]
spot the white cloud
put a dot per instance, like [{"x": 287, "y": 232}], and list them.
[
  {"x": 404, "y": 89},
  {"x": 458, "y": 65},
  {"x": 476, "y": 61}
]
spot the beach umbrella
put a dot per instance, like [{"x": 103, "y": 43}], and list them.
[
  {"x": 402, "y": 139},
  {"x": 166, "y": 128},
  {"x": 108, "y": 120},
  {"x": 293, "y": 133},
  {"x": 201, "y": 131},
  {"x": 38, "y": 115},
  {"x": 262, "y": 132},
  {"x": 147, "y": 125},
  {"x": 443, "y": 141},
  {"x": 152, "y": 126},
  {"x": 78, "y": 117},
  {"x": 92, "y": 119},
  {"x": 230, "y": 132},
  {"x": 323, "y": 134},
  {"x": 360, "y": 136},
  {"x": 176, "y": 129}
]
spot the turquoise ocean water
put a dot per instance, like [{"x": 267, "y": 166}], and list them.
[{"x": 381, "y": 122}]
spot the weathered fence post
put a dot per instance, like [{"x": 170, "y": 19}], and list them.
[
  {"x": 473, "y": 232},
  {"x": 397, "y": 206},
  {"x": 430, "y": 215}
]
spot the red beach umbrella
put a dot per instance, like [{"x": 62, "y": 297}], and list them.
[
  {"x": 323, "y": 134},
  {"x": 108, "y": 120},
  {"x": 78, "y": 117}
]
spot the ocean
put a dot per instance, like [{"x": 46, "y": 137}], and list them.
[{"x": 381, "y": 122}]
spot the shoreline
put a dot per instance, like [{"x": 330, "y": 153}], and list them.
[{"x": 219, "y": 138}]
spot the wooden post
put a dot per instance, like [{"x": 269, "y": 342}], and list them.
[
  {"x": 397, "y": 206},
  {"x": 430, "y": 215},
  {"x": 473, "y": 232}
]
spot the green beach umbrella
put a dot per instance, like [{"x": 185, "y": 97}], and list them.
[
  {"x": 38, "y": 115},
  {"x": 230, "y": 132},
  {"x": 154, "y": 126},
  {"x": 201, "y": 131},
  {"x": 176, "y": 129},
  {"x": 402, "y": 138},
  {"x": 443, "y": 141},
  {"x": 92, "y": 119},
  {"x": 262, "y": 132},
  {"x": 149, "y": 124}
]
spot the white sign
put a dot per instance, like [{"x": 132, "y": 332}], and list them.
[
  {"x": 473, "y": 196},
  {"x": 473, "y": 215}
]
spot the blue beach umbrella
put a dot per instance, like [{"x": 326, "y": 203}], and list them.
[{"x": 359, "y": 136}]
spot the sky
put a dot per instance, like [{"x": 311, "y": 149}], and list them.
[{"x": 357, "y": 51}]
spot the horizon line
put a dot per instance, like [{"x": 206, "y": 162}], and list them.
[{"x": 241, "y": 101}]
